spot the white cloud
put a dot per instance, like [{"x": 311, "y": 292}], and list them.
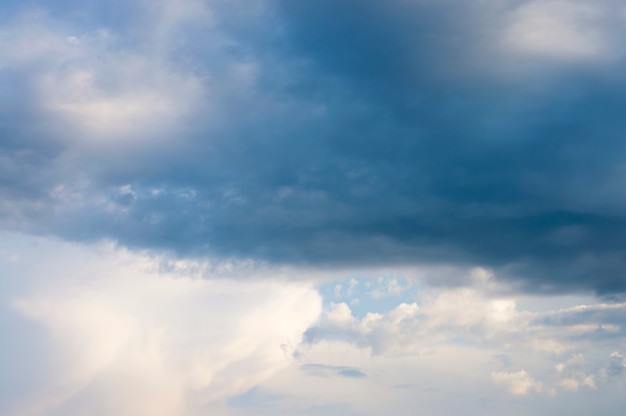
[
  {"x": 386, "y": 287},
  {"x": 131, "y": 333},
  {"x": 572, "y": 374},
  {"x": 549, "y": 352},
  {"x": 339, "y": 314},
  {"x": 476, "y": 316},
  {"x": 94, "y": 87},
  {"x": 127, "y": 337},
  {"x": 114, "y": 95},
  {"x": 438, "y": 317},
  {"x": 558, "y": 29},
  {"x": 519, "y": 383}
]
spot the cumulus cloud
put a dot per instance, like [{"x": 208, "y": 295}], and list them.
[
  {"x": 466, "y": 313},
  {"x": 536, "y": 350},
  {"x": 476, "y": 316}
]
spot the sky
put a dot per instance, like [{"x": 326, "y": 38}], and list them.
[{"x": 291, "y": 207}]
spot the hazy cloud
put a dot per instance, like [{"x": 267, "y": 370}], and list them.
[
  {"x": 122, "y": 334},
  {"x": 321, "y": 370}
]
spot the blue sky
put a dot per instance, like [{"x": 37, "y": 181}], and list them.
[{"x": 312, "y": 207}]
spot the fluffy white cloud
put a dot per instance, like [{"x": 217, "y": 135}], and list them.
[
  {"x": 531, "y": 346},
  {"x": 438, "y": 317}
]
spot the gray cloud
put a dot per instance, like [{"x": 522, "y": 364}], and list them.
[{"x": 326, "y": 133}]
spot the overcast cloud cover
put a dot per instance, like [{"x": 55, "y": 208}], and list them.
[{"x": 312, "y": 207}]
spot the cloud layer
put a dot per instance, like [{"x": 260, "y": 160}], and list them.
[
  {"x": 312, "y": 207},
  {"x": 473, "y": 133}
]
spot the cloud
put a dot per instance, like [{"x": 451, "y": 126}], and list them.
[
  {"x": 572, "y": 375},
  {"x": 474, "y": 316},
  {"x": 458, "y": 133},
  {"x": 519, "y": 383},
  {"x": 100, "y": 329},
  {"x": 124, "y": 335},
  {"x": 439, "y": 317},
  {"x": 321, "y": 370},
  {"x": 449, "y": 169},
  {"x": 569, "y": 346},
  {"x": 616, "y": 366},
  {"x": 559, "y": 29}
]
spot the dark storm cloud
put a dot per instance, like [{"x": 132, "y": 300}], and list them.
[{"x": 368, "y": 133}]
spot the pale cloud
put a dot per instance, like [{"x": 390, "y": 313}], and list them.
[
  {"x": 126, "y": 336},
  {"x": 94, "y": 88},
  {"x": 549, "y": 351},
  {"x": 352, "y": 286},
  {"x": 559, "y": 29},
  {"x": 572, "y": 374},
  {"x": 121, "y": 328},
  {"x": 616, "y": 367},
  {"x": 439, "y": 316},
  {"x": 118, "y": 95},
  {"x": 479, "y": 381},
  {"x": 340, "y": 314},
  {"x": 164, "y": 18},
  {"x": 337, "y": 291},
  {"x": 386, "y": 287},
  {"x": 392, "y": 384},
  {"x": 518, "y": 383},
  {"x": 478, "y": 315}
]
